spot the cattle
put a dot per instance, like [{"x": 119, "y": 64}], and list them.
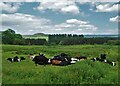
[
  {"x": 111, "y": 63},
  {"x": 59, "y": 63},
  {"x": 10, "y": 59},
  {"x": 61, "y": 59},
  {"x": 64, "y": 63},
  {"x": 41, "y": 54},
  {"x": 55, "y": 62},
  {"x": 41, "y": 60},
  {"x": 95, "y": 59},
  {"x": 22, "y": 58},
  {"x": 74, "y": 60},
  {"x": 31, "y": 56},
  {"x": 81, "y": 57},
  {"x": 103, "y": 59},
  {"x": 15, "y": 59},
  {"x": 103, "y": 56}
]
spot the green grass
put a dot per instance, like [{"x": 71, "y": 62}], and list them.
[
  {"x": 83, "y": 72},
  {"x": 36, "y": 37}
]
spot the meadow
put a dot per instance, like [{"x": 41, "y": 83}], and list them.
[
  {"x": 35, "y": 37},
  {"x": 83, "y": 72}
]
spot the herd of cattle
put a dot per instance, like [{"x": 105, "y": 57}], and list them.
[{"x": 60, "y": 60}]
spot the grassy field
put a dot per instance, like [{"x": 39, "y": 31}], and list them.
[
  {"x": 36, "y": 37},
  {"x": 83, "y": 72}
]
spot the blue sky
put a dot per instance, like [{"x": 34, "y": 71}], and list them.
[{"x": 60, "y": 17}]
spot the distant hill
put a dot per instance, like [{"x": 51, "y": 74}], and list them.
[{"x": 37, "y": 34}]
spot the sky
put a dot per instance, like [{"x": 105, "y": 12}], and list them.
[{"x": 60, "y": 17}]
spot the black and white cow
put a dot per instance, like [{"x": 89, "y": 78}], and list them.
[
  {"x": 81, "y": 57},
  {"x": 95, "y": 59},
  {"x": 74, "y": 60},
  {"x": 15, "y": 59},
  {"x": 103, "y": 59},
  {"x": 111, "y": 63}
]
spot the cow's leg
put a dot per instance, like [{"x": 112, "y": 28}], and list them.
[{"x": 35, "y": 64}]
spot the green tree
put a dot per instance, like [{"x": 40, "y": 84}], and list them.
[{"x": 10, "y": 37}]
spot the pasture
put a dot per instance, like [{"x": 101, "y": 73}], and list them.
[
  {"x": 83, "y": 72},
  {"x": 36, "y": 37}
]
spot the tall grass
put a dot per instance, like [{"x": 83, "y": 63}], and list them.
[{"x": 83, "y": 72}]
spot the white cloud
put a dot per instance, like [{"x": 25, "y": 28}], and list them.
[
  {"x": 29, "y": 24},
  {"x": 24, "y": 23},
  {"x": 75, "y": 21},
  {"x": 74, "y": 25},
  {"x": 107, "y": 7},
  {"x": 9, "y": 7},
  {"x": 64, "y": 6},
  {"x": 115, "y": 19},
  {"x": 58, "y": 29},
  {"x": 18, "y": 18},
  {"x": 71, "y": 9}
]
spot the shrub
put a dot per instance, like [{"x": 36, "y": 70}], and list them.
[{"x": 113, "y": 42}]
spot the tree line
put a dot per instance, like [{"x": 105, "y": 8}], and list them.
[
  {"x": 69, "y": 39},
  {"x": 10, "y": 37},
  {"x": 57, "y": 38},
  {"x": 77, "y": 41}
]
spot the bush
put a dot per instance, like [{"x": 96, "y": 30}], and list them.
[
  {"x": 113, "y": 42},
  {"x": 76, "y": 41}
]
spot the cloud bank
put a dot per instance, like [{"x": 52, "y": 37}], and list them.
[
  {"x": 29, "y": 24},
  {"x": 10, "y": 7}
]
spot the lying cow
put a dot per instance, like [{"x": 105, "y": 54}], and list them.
[
  {"x": 62, "y": 57},
  {"x": 103, "y": 59},
  {"x": 81, "y": 57},
  {"x": 74, "y": 60},
  {"x": 55, "y": 62},
  {"x": 15, "y": 59},
  {"x": 41, "y": 60},
  {"x": 22, "y": 58},
  {"x": 111, "y": 63},
  {"x": 62, "y": 60},
  {"x": 31, "y": 56},
  {"x": 41, "y": 54},
  {"x": 95, "y": 59}
]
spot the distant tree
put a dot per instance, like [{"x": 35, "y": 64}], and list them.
[{"x": 9, "y": 37}]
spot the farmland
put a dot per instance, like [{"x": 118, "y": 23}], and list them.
[
  {"x": 35, "y": 37},
  {"x": 83, "y": 72}
]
